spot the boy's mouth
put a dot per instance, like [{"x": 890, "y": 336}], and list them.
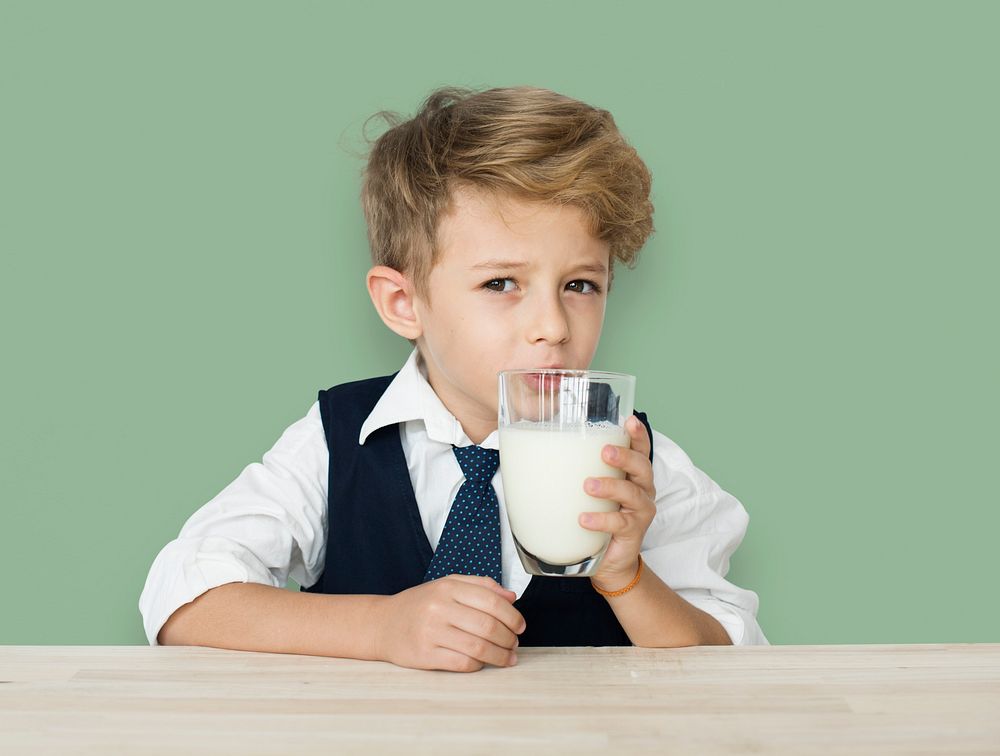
[{"x": 542, "y": 381}]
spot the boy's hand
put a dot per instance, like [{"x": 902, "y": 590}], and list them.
[
  {"x": 636, "y": 496},
  {"x": 457, "y": 623}
]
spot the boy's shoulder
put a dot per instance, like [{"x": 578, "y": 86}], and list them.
[
  {"x": 359, "y": 387},
  {"x": 347, "y": 405},
  {"x": 673, "y": 469}
]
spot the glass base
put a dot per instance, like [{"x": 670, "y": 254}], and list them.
[{"x": 535, "y": 566}]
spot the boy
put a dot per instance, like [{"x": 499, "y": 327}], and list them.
[{"x": 494, "y": 219}]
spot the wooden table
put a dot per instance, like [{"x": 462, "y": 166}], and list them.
[{"x": 933, "y": 699}]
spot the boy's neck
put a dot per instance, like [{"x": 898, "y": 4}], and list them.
[{"x": 476, "y": 426}]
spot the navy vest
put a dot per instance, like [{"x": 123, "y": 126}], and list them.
[{"x": 377, "y": 544}]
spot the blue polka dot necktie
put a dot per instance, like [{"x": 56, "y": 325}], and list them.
[{"x": 470, "y": 541}]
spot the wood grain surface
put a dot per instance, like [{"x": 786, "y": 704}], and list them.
[{"x": 913, "y": 699}]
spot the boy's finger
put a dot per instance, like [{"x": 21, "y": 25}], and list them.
[
  {"x": 477, "y": 648},
  {"x": 637, "y": 435},
  {"x": 634, "y": 463},
  {"x": 492, "y": 604},
  {"x": 486, "y": 582},
  {"x": 626, "y": 492},
  {"x": 453, "y": 661},
  {"x": 484, "y": 625},
  {"x": 608, "y": 522}
]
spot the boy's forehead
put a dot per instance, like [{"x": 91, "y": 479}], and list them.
[
  {"x": 472, "y": 203},
  {"x": 481, "y": 227}
]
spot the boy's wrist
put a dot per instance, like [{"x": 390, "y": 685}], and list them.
[
  {"x": 353, "y": 624},
  {"x": 374, "y": 623},
  {"x": 617, "y": 581}
]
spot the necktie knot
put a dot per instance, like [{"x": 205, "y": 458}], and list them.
[{"x": 478, "y": 465}]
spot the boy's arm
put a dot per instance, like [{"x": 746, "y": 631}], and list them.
[
  {"x": 220, "y": 582},
  {"x": 255, "y": 617},
  {"x": 689, "y": 528},
  {"x": 457, "y": 623},
  {"x": 653, "y": 615},
  {"x": 267, "y": 525}
]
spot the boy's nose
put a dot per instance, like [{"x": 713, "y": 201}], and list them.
[{"x": 548, "y": 323}]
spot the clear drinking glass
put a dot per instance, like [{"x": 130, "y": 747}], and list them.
[{"x": 553, "y": 424}]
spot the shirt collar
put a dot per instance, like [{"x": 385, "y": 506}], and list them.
[{"x": 410, "y": 397}]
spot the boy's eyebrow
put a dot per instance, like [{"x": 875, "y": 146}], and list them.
[
  {"x": 508, "y": 264},
  {"x": 593, "y": 268},
  {"x": 492, "y": 264}
]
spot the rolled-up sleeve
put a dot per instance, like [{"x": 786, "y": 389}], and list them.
[
  {"x": 269, "y": 524},
  {"x": 697, "y": 528}
]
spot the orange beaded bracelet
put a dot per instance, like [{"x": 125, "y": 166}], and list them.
[{"x": 627, "y": 588}]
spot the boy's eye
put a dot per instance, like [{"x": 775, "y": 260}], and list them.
[
  {"x": 581, "y": 286},
  {"x": 498, "y": 284},
  {"x": 505, "y": 285}
]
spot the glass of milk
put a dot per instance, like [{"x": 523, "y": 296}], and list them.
[{"x": 553, "y": 424}]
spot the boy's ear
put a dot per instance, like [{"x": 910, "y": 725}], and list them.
[{"x": 392, "y": 294}]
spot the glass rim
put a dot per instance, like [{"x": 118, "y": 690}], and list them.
[{"x": 568, "y": 371}]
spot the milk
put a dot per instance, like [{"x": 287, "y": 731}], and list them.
[{"x": 543, "y": 470}]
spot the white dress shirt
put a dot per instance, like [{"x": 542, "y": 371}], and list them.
[{"x": 270, "y": 523}]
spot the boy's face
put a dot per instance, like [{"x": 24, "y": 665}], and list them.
[{"x": 516, "y": 285}]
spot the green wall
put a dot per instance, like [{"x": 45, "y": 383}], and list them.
[{"x": 814, "y": 322}]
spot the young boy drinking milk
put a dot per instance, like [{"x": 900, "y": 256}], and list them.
[{"x": 494, "y": 219}]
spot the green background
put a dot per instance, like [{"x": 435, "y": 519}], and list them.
[{"x": 814, "y": 321}]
